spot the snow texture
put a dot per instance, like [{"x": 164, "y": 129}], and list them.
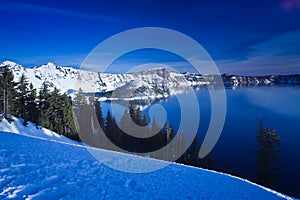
[
  {"x": 31, "y": 130},
  {"x": 37, "y": 166}
]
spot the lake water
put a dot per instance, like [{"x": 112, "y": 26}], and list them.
[{"x": 279, "y": 107}]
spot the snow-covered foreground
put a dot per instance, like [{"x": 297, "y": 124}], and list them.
[{"x": 33, "y": 168}]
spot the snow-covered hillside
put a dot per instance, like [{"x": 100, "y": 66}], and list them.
[
  {"x": 31, "y": 130},
  {"x": 33, "y": 168},
  {"x": 37, "y": 163},
  {"x": 158, "y": 82}
]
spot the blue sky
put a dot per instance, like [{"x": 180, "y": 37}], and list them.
[{"x": 242, "y": 37}]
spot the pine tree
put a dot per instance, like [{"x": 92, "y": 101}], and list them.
[
  {"x": 138, "y": 117},
  {"x": 127, "y": 142},
  {"x": 86, "y": 119},
  {"x": 144, "y": 120},
  {"x": 60, "y": 114},
  {"x": 112, "y": 131},
  {"x": 33, "y": 113},
  {"x": 268, "y": 155},
  {"x": 226, "y": 168},
  {"x": 155, "y": 127},
  {"x": 68, "y": 119},
  {"x": 191, "y": 155},
  {"x": 99, "y": 114},
  {"x": 22, "y": 100},
  {"x": 54, "y": 113},
  {"x": 180, "y": 146},
  {"x": 44, "y": 105},
  {"x": 7, "y": 92},
  {"x": 79, "y": 102},
  {"x": 158, "y": 140},
  {"x": 132, "y": 112},
  {"x": 208, "y": 162}
]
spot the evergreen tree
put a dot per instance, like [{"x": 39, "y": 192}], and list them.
[
  {"x": 169, "y": 136},
  {"x": 268, "y": 155},
  {"x": 54, "y": 113},
  {"x": 208, "y": 162},
  {"x": 144, "y": 120},
  {"x": 180, "y": 146},
  {"x": 99, "y": 114},
  {"x": 226, "y": 168},
  {"x": 33, "y": 112},
  {"x": 112, "y": 131},
  {"x": 22, "y": 100},
  {"x": 7, "y": 92},
  {"x": 155, "y": 127},
  {"x": 68, "y": 120},
  {"x": 44, "y": 105},
  {"x": 79, "y": 100},
  {"x": 127, "y": 141},
  {"x": 86, "y": 119},
  {"x": 191, "y": 155},
  {"x": 132, "y": 112},
  {"x": 60, "y": 113},
  {"x": 138, "y": 117},
  {"x": 144, "y": 145},
  {"x": 158, "y": 140}
]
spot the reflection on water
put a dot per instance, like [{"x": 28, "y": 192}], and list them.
[{"x": 236, "y": 150}]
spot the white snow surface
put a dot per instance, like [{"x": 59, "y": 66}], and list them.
[
  {"x": 68, "y": 79},
  {"x": 31, "y": 130},
  {"x": 38, "y": 164}
]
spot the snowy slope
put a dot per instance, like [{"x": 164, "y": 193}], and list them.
[
  {"x": 31, "y": 130},
  {"x": 32, "y": 168}
]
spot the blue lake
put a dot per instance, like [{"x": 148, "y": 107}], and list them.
[{"x": 279, "y": 107}]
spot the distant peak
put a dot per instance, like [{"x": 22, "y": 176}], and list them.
[
  {"x": 49, "y": 65},
  {"x": 158, "y": 69},
  {"x": 9, "y": 63}
]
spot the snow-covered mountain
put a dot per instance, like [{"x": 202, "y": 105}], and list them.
[
  {"x": 64, "y": 78},
  {"x": 158, "y": 82},
  {"x": 154, "y": 82}
]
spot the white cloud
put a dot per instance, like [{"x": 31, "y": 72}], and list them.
[{"x": 277, "y": 55}]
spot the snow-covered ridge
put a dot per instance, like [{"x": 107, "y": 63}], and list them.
[
  {"x": 154, "y": 82},
  {"x": 159, "y": 82}
]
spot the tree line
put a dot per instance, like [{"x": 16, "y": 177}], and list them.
[
  {"x": 108, "y": 133},
  {"x": 45, "y": 108}
]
